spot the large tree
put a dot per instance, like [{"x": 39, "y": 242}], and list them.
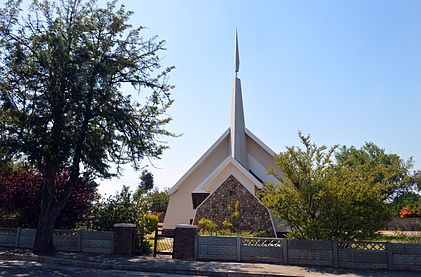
[
  {"x": 66, "y": 73},
  {"x": 321, "y": 197}
]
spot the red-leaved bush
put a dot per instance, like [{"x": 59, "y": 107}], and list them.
[{"x": 20, "y": 197}]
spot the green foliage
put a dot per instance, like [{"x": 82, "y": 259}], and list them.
[
  {"x": 379, "y": 168},
  {"x": 227, "y": 232},
  {"x": 150, "y": 223},
  {"x": 146, "y": 181},
  {"x": 61, "y": 93},
  {"x": 123, "y": 207},
  {"x": 230, "y": 222},
  {"x": 64, "y": 101},
  {"x": 8, "y": 167},
  {"x": 147, "y": 246},
  {"x": 119, "y": 208},
  {"x": 404, "y": 200},
  {"x": 230, "y": 233},
  {"x": 234, "y": 212},
  {"x": 415, "y": 180},
  {"x": 158, "y": 201},
  {"x": 320, "y": 198},
  {"x": 260, "y": 233},
  {"x": 207, "y": 225}
]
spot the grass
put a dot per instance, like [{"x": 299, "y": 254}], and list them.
[{"x": 399, "y": 236}]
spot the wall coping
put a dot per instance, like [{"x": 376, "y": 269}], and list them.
[
  {"x": 127, "y": 225},
  {"x": 186, "y": 226}
]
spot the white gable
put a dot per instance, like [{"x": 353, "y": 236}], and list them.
[{"x": 229, "y": 167}]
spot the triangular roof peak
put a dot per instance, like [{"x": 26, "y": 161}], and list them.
[{"x": 238, "y": 136}]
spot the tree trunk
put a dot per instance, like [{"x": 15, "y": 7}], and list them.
[
  {"x": 43, "y": 244},
  {"x": 50, "y": 209}
]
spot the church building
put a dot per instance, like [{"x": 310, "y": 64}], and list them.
[{"x": 227, "y": 178}]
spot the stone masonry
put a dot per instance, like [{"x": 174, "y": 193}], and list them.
[{"x": 253, "y": 216}]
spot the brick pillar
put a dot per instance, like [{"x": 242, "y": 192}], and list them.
[
  {"x": 184, "y": 245},
  {"x": 124, "y": 236}
]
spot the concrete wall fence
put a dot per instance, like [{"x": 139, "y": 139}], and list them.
[
  {"x": 358, "y": 255},
  {"x": 64, "y": 240}
]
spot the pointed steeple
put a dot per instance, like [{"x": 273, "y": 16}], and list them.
[
  {"x": 238, "y": 128},
  {"x": 236, "y": 55}
]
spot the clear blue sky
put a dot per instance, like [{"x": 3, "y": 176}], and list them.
[{"x": 344, "y": 71}]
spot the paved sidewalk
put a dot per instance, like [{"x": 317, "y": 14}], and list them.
[
  {"x": 165, "y": 264},
  {"x": 34, "y": 269}
]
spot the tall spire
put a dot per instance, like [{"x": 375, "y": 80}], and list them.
[
  {"x": 236, "y": 55},
  {"x": 238, "y": 128}
]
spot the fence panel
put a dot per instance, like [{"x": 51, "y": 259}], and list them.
[
  {"x": 406, "y": 256},
  {"x": 267, "y": 250},
  {"x": 66, "y": 240},
  {"x": 364, "y": 255},
  {"x": 310, "y": 252},
  {"x": 8, "y": 237},
  {"x": 97, "y": 242},
  {"x": 27, "y": 237},
  {"x": 217, "y": 248}
]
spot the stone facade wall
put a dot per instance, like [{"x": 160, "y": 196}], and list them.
[{"x": 253, "y": 216}]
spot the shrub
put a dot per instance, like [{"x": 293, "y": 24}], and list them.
[
  {"x": 207, "y": 225},
  {"x": 150, "y": 223},
  {"x": 260, "y": 233}
]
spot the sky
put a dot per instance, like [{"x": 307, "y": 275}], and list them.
[{"x": 345, "y": 72}]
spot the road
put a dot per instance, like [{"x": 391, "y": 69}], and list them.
[{"x": 27, "y": 268}]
